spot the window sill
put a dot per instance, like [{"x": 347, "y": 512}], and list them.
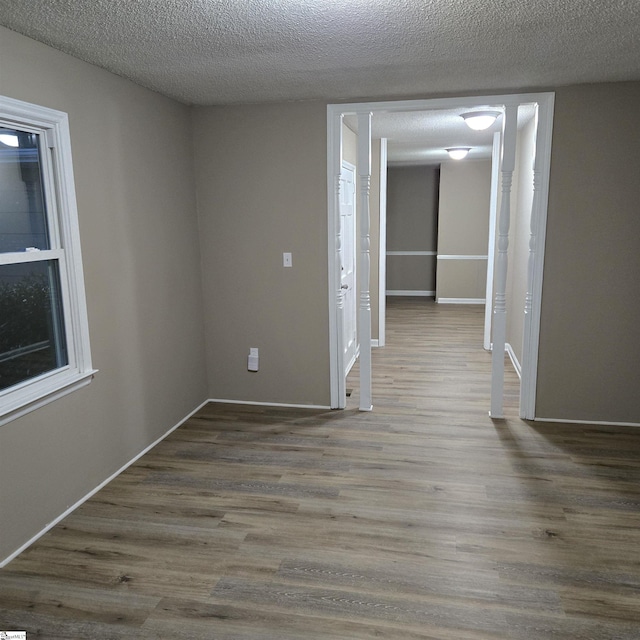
[{"x": 59, "y": 386}]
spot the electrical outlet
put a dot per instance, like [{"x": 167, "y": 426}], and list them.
[{"x": 253, "y": 359}]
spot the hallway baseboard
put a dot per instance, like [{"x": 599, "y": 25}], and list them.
[
  {"x": 514, "y": 359},
  {"x": 460, "y": 301},
  {"x": 410, "y": 292},
  {"x": 269, "y": 404}
]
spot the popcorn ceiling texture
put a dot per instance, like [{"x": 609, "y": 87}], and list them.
[{"x": 235, "y": 51}]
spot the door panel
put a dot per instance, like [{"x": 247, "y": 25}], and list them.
[{"x": 348, "y": 263}]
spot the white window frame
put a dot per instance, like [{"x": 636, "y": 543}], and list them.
[{"x": 64, "y": 234}]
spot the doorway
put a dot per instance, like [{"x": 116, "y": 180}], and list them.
[{"x": 544, "y": 103}]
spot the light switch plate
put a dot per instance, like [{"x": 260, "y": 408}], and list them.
[{"x": 287, "y": 260}]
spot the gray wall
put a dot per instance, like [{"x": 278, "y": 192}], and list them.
[
  {"x": 261, "y": 183},
  {"x": 463, "y": 229},
  {"x": 589, "y": 346},
  {"x": 135, "y": 190},
  {"x": 412, "y": 225}
]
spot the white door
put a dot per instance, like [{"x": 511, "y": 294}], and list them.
[{"x": 348, "y": 262}]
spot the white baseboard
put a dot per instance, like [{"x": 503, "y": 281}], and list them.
[
  {"x": 91, "y": 493},
  {"x": 412, "y": 253},
  {"x": 461, "y": 257},
  {"x": 270, "y": 404},
  {"x": 461, "y": 300},
  {"x": 600, "y": 423},
  {"x": 410, "y": 292},
  {"x": 514, "y": 359},
  {"x": 375, "y": 343}
]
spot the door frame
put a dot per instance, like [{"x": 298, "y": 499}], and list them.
[
  {"x": 491, "y": 246},
  {"x": 335, "y": 114},
  {"x": 382, "y": 248}
]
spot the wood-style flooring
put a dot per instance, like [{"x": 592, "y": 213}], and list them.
[{"x": 421, "y": 520}]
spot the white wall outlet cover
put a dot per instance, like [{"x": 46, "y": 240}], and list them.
[{"x": 287, "y": 260}]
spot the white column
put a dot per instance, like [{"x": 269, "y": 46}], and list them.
[
  {"x": 509, "y": 137},
  {"x": 536, "y": 249},
  {"x": 336, "y": 256},
  {"x": 364, "y": 316},
  {"x": 526, "y": 343},
  {"x": 491, "y": 249},
  {"x": 382, "y": 251}
]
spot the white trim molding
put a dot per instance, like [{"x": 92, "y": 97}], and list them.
[
  {"x": 337, "y": 379},
  {"x": 491, "y": 247},
  {"x": 58, "y": 389},
  {"x": 537, "y": 240},
  {"x": 382, "y": 248},
  {"x": 600, "y": 423},
  {"x": 364, "y": 281},
  {"x": 104, "y": 483},
  {"x": 284, "y": 405},
  {"x": 460, "y": 300},
  {"x": 412, "y": 253},
  {"x": 514, "y": 359},
  {"x": 499, "y": 327},
  {"x": 410, "y": 292},
  {"x": 461, "y": 257}
]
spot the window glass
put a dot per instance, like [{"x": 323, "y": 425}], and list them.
[
  {"x": 23, "y": 222},
  {"x": 31, "y": 321}
]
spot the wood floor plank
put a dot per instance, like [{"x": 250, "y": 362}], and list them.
[
  {"x": 422, "y": 520},
  {"x": 403, "y": 613},
  {"x": 240, "y": 621}
]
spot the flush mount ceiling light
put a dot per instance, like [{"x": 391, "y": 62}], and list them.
[
  {"x": 457, "y": 153},
  {"x": 480, "y": 120}
]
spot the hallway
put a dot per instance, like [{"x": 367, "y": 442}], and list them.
[{"x": 434, "y": 357}]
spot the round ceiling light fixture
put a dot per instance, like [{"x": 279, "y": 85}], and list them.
[
  {"x": 457, "y": 153},
  {"x": 480, "y": 120}
]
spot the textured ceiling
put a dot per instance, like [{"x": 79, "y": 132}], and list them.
[
  {"x": 236, "y": 51},
  {"x": 422, "y": 137}
]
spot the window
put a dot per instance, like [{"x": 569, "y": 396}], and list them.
[{"x": 44, "y": 336}]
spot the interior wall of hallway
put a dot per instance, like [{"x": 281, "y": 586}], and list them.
[
  {"x": 412, "y": 229},
  {"x": 463, "y": 230}
]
